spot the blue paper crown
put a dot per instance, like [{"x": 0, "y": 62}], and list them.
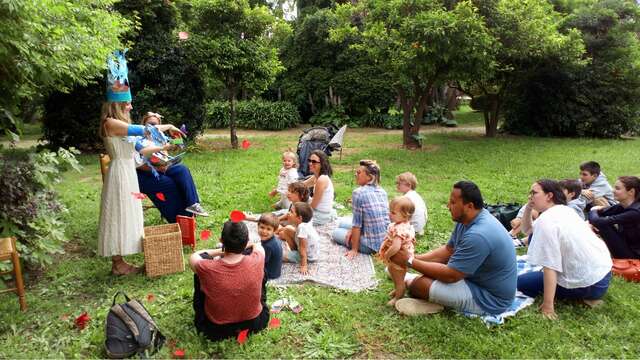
[{"x": 118, "y": 78}]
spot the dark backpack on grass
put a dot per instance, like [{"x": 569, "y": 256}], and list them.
[
  {"x": 504, "y": 213},
  {"x": 130, "y": 330}
]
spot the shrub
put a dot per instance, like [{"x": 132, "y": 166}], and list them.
[
  {"x": 254, "y": 114},
  {"x": 30, "y": 209},
  {"x": 333, "y": 116},
  {"x": 380, "y": 120}
]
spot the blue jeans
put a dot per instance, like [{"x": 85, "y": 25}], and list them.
[
  {"x": 532, "y": 284},
  {"x": 339, "y": 235},
  {"x": 177, "y": 186}
]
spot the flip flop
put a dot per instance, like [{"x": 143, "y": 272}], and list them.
[
  {"x": 414, "y": 307},
  {"x": 278, "y": 305},
  {"x": 295, "y": 307}
]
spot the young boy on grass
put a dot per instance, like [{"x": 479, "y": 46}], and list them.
[
  {"x": 596, "y": 189},
  {"x": 302, "y": 239},
  {"x": 572, "y": 190},
  {"x": 267, "y": 225}
]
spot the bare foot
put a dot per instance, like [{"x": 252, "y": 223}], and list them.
[
  {"x": 392, "y": 302},
  {"x": 593, "y": 303}
]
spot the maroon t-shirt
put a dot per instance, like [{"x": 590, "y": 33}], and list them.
[{"x": 232, "y": 291}]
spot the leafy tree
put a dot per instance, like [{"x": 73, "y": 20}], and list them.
[
  {"x": 599, "y": 99},
  {"x": 230, "y": 41},
  {"x": 316, "y": 66},
  {"x": 47, "y": 44},
  {"x": 163, "y": 77},
  {"x": 419, "y": 43},
  {"x": 524, "y": 32}
]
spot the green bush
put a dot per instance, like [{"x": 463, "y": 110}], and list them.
[
  {"x": 254, "y": 114},
  {"x": 30, "y": 209},
  {"x": 380, "y": 120},
  {"x": 333, "y": 116}
]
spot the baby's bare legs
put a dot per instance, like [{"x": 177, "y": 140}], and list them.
[{"x": 397, "y": 274}]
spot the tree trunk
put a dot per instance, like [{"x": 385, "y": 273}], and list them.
[
  {"x": 409, "y": 132},
  {"x": 279, "y": 93},
  {"x": 313, "y": 106},
  {"x": 452, "y": 102},
  {"x": 491, "y": 115},
  {"x": 232, "y": 120}
]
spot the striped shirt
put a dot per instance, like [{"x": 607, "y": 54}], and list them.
[{"x": 371, "y": 215}]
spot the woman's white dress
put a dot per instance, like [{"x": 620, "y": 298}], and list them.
[{"x": 121, "y": 221}]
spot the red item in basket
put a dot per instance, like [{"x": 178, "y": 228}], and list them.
[{"x": 188, "y": 229}]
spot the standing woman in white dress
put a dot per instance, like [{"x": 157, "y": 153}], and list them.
[{"x": 121, "y": 222}]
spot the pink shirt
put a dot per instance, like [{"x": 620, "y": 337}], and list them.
[{"x": 232, "y": 291}]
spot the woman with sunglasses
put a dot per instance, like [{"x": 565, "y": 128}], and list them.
[
  {"x": 322, "y": 200},
  {"x": 365, "y": 231}
]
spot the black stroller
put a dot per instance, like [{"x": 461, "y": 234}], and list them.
[{"x": 327, "y": 139}]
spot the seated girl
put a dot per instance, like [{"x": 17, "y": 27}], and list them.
[{"x": 619, "y": 225}]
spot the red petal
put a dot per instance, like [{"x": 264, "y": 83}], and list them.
[
  {"x": 245, "y": 144},
  {"x": 242, "y": 336},
  {"x": 82, "y": 320},
  {"x": 274, "y": 323},
  {"x": 178, "y": 354},
  {"x": 205, "y": 234},
  {"x": 237, "y": 216},
  {"x": 160, "y": 196},
  {"x": 151, "y": 297}
]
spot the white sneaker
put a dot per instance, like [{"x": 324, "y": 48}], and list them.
[{"x": 197, "y": 209}]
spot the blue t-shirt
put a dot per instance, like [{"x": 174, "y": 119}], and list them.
[
  {"x": 484, "y": 252},
  {"x": 272, "y": 258}
]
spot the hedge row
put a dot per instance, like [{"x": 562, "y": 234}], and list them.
[{"x": 253, "y": 114}]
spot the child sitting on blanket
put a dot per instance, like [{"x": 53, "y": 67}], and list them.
[
  {"x": 401, "y": 238},
  {"x": 296, "y": 191},
  {"x": 572, "y": 190},
  {"x": 288, "y": 174},
  {"x": 302, "y": 239},
  {"x": 267, "y": 225}
]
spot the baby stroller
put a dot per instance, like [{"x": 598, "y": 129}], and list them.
[{"x": 327, "y": 139}]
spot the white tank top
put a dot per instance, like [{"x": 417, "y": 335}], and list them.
[{"x": 326, "y": 203}]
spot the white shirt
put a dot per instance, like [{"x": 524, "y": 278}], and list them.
[
  {"x": 326, "y": 203},
  {"x": 420, "y": 216},
  {"x": 563, "y": 242},
  {"x": 308, "y": 232},
  {"x": 286, "y": 177}
]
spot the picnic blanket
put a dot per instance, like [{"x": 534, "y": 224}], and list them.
[
  {"x": 333, "y": 269},
  {"x": 520, "y": 302}
]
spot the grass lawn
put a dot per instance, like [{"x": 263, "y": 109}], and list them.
[{"x": 333, "y": 323}]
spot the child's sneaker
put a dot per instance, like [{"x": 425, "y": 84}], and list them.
[{"x": 197, "y": 209}]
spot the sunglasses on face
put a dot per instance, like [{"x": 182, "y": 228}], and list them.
[{"x": 314, "y": 161}]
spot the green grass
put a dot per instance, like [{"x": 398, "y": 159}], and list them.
[
  {"x": 333, "y": 323},
  {"x": 467, "y": 116}
]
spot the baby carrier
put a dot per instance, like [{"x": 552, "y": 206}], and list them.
[{"x": 324, "y": 138}]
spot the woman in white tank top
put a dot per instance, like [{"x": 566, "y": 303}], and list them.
[{"x": 322, "y": 201}]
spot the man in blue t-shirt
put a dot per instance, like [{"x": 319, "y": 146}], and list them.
[{"x": 476, "y": 270}]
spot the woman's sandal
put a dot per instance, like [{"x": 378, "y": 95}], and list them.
[
  {"x": 295, "y": 307},
  {"x": 278, "y": 305}
]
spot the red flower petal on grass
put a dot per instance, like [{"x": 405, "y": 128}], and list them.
[
  {"x": 274, "y": 323},
  {"x": 205, "y": 234},
  {"x": 245, "y": 144},
  {"x": 242, "y": 336},
  {"x": 178, "y": 354},
  {"x": 237, "y": 216},
  {"x": 139, "y": 196},
  {"x": 151, "y": 298},
  {"x": 82, "y": 320},
  {"x": 160, "y": 196}
]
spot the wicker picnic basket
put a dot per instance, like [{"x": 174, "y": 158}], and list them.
[{"x": 162, "y": 247}]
